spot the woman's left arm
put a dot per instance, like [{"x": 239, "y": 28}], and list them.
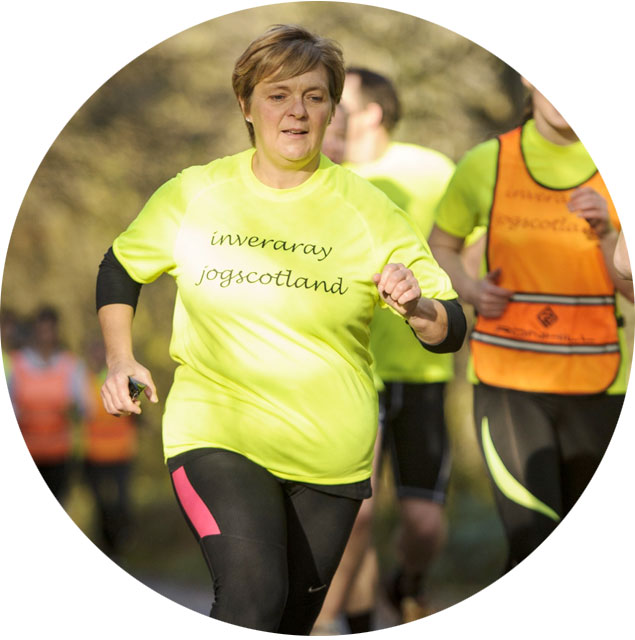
[
  {"x": 439, "y": 325},
  {"x": 590, "y": 205},
  {"x": 620, "y": 259}
]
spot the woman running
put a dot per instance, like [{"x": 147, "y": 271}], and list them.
[
  {"x": 280, "y": 257},
  {"x": 547, "y": 348}
]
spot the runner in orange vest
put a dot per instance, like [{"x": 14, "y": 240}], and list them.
[
  {"x": 109, "y": 449},
  {"x": 548, "y": 352},
  {"x": 49, "y": 390}
]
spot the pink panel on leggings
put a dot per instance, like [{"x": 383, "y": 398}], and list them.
[{"x": 199, "y": 515}]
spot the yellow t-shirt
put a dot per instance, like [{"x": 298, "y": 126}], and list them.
[
  {"x": 414, "y": 178},
  {"x": 467, "y": 201},
  {"x": 274, "y": 302}
]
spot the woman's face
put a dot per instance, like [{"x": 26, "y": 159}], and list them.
[
  {"x": 548, "y": 113},
  {"x": 548, "y": 119},
  {"x": 289, "y": 118}
]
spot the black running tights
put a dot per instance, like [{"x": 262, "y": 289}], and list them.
[{"x": 271, "y": 546}]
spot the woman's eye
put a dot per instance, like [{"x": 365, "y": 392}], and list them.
[
  {"x": 316, "y": 98},
  {"x": 277, "y": 97}
]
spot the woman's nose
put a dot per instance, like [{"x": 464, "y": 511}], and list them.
[{"x": 298, "y": 108}]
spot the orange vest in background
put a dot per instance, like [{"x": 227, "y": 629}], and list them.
[
  {"x": 559, "y": 332},
  {"x": 107, "y": 439},
  {"x": 42, "y": 398}
]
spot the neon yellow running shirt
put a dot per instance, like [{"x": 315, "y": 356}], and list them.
[
  {"x": 414, "y": 178},
  {"x": 273, "y": 307},
  {"x": 468, "y": 199}
]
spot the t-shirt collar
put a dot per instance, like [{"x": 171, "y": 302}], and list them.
[{"x": 314, "y": 181}]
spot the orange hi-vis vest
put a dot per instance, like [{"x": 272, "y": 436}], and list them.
[
  {"x": 107, "y": 439},
  {"x": 559, "y": 332},
  {"x": 42, "y": 399}
]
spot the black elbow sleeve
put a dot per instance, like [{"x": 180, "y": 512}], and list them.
[
  {"x": 457, "y": 328},
  {"x": 114, "y": 284}
]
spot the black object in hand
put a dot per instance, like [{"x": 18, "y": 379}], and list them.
[{"x": 135, "y": 388}]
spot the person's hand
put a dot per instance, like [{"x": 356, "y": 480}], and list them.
[
  {"x": 398, "y": 288},
  {"x": 490, "y": 300},
  {"x": 115, "y": 394},
  {"x": 587, "y": 203}
]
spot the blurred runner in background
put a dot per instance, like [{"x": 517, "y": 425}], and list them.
[
  {"x": 9, "y": 336},
  {"x": 411, "y": 381},
  {"x": 334, "y": 143},
  {"x": 548, "y": 349},
  {"x": 109, "y": 448},
  {"x": 50, "y": 394}
]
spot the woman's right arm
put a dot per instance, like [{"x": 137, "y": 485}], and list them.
[
  {"x": 116, "y": 327},
  {"x": 484, "y": 295},
  {"x": 116, "y": 297},
  {"x": 468, "y": 195},
  {"x": 146, "y": 248}
]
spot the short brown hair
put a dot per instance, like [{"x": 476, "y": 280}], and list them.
[
  {"x": 375, "y": 87},
  {"x": 287, "y": 51}
]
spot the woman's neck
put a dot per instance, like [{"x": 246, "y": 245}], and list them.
[
  {"x": 369, "y": 147},
  {"x": 280, "y": 176},
  {"x": 561, "y": 136},
  {"x": 45, "y": 351}
]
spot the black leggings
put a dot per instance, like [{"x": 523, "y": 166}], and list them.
[
  {"x": 415, "y": 437},
  {"x": 271, "y": 546},
  {"x": 541, "y": 450},
  {"x": 57, "y": 477},
  {"x": 110, "y": 484}
]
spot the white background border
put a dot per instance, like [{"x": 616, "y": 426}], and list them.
[{"x": 55, "y": 55}]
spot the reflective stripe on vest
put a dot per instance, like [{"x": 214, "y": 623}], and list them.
[
  {"x": 558, "y": 333},
  {"x": 42, "y": 399},
  {"x": 545, "y": 348},
  {"x": 577, "y": 300}
]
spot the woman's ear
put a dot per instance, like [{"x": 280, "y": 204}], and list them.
[
  {"x": 244, "y": 109},
  {"x": 374, "y": 114}
]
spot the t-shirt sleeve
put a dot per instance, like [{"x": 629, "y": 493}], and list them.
[
  {"x": 467, "y": 201},
  {"x": 402, "y": 242},
  {"x": 146, "y": 248},
  {"x": 433, "y": 185}
]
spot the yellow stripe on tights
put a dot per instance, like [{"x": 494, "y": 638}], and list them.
[{"x": 509, "y": 486}]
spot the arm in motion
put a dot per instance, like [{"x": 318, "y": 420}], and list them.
[
  {"x": 117, "y": 295},
  {"x": 620, "y": 259},
  {"x": 483, "y": 294},
  {"x": 590, "y": 205},
  {"x": 439, "y": 325}
]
